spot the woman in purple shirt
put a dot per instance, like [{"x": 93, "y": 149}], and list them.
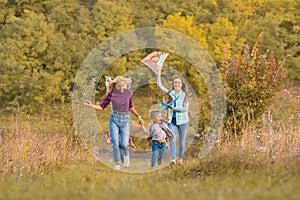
[{"x": 119, "y": 124}]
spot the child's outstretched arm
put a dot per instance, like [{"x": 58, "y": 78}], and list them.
[
  {"x": 108, "y": 138},
  {"x": 131, "y": 143}
]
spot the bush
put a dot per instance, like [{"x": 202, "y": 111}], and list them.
[{"x": 250, "y": 81}]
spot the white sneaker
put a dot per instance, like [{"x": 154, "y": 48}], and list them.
[
  {"x": 126, "y": 161},
  {"x": 173, "y": 161},
  {"x": 117, "y": 167}
]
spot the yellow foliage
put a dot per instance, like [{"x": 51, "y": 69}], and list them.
[{"x": 186, "y": 26}]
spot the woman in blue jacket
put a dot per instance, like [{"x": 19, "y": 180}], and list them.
[{"x": 178, "y": 119}]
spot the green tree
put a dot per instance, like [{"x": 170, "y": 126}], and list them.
[
  {"x": 279, "y": 20},
  {"x": 222, "y": 39},
  {"x": 22, "y": 68},
  {"x": 43, "y": 44},
  {"x": 186, "y": 25}
]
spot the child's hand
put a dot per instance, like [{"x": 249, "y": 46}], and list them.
[
  {"x": 141, "y": 121},
  {"x": 108, "y": 139},
  {"x": 144, "y": 129}
]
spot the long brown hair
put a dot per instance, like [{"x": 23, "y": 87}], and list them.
[{"x": 183, "y": 88}]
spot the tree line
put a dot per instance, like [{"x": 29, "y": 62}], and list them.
[{"x": 43, "y": 43}]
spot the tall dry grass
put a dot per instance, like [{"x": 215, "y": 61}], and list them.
[
  {"x": 25, "y": 148},
  {"x": 273, "y": 142},
  {"x": 274, "y": 145},
  {"x": 273, "y": 151}
]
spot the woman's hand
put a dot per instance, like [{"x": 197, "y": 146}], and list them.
[
  {"x": 88, "y": 103},
  {"x": 141, "y": 121}
]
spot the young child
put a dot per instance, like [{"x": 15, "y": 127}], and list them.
[{"x": 158, "y": 132}]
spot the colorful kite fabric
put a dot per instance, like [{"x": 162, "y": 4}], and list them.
[{"x": 155, "y": 60}]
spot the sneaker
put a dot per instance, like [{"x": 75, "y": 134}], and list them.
[
  {"x": 179, "y": 161},
  {"x": 126, "y": 161},
  {"x": 117, "y": 167},
  {"x": 159, "y": 161},
  {"x": 173, "y": 161}
]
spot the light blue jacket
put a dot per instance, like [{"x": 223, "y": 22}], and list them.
[{"x": 181, "y": 109}]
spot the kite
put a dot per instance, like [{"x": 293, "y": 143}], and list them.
[{"x": 155, "y": 60}]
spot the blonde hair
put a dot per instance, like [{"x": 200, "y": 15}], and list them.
[
  {"x": 153, "y": 113},
  {"x": 112, "y": 84}
]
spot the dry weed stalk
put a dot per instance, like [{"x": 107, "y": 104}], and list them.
[
  {"x": 260, "y": 146},
  {"x": 26, "y": 149}
]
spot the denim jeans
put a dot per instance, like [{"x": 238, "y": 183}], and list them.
[
  {"x": 119, "y": 130},
  {"x": 126, "y": 152},
  {"x": 182, "y": 131},
  {"x": 158, "y": 151}
]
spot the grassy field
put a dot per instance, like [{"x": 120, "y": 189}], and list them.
[
  {"x": 206, "y": 179},
  {"x": 42, "y": 158},
  {"x": 49, "y": 165}
]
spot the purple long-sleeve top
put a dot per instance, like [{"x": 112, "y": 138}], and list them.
[{"x": 121, "y": 101}]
